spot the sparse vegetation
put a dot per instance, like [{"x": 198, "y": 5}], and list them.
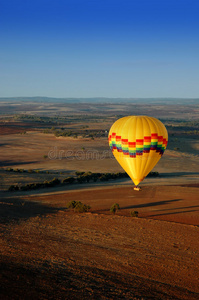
[
  {"x": 81, "y": 177},
  {"x": 71, "y": 204},
  {"x": 13, "y": 188},
  {"x": 81, "y": 132},
  {"x": 68, "y": 180},
  {"x": 29, "y": 171},
  {"x": 24, "y": 220},
  {"x": 78, "y": 206},
  {"x": 33, "y": 186},
  {"x": 114, "y": 208},
  {"x": 134, "y": 214},
  {"x": 79, "y": 173}
]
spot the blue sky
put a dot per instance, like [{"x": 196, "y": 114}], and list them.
[{"x": 99, "y": 48}]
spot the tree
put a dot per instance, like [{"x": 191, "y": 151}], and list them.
[
  {"x": 114, "y": 208},
  {"x": 134, "y": 213},
  {"x": 78, "y": 206},
  {"x": 71, "y": 204},
  {"x": 68, "y": 180}
]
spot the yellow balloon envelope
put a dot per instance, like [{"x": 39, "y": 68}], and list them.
[{"x": 138, "y": 142}]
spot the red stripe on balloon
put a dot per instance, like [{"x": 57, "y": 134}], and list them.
[
  {"x": 154, "y": 136},
  {"x": 118, "y": 138},
  {"x": 132, "y": 144},
  {"x": 147, "y": 139}
]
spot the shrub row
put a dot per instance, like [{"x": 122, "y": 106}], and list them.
[
  {"x": 65, "y": 132},
  {"x": 89, "y": 176},
  {"x": 60, "y": 132},
  {"x": 27, "y": 171},
  {"x": 78, "y": 206},
  {"x": 34, "y": 186},
  {"x": 86, "y": 176},
  {"x": 81, "y": 177}
]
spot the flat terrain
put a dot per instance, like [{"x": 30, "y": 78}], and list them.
[{"x": 51, "y": 252}]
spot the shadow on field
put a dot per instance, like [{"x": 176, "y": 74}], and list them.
[
  {"x": 7, "y": 163},
  {"x": 151, "y": 204},
  {"x": 15, "y": 209},
  {"x": 174, "y": 213},
  {"x": 54, "y": 281},
  {"x": 186, "y": 207}
]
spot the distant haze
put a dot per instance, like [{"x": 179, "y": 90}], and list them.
[{"x": 163, "y": 101}]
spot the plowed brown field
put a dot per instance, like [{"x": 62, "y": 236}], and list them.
[{"x": 50, "y": 252}]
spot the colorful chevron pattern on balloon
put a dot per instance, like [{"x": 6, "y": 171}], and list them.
[
  {"x": 139, "y": 146},
  {"x": 138, "y": 143}
]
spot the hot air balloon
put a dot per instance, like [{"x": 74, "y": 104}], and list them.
[{"x": 137, "y": 143}]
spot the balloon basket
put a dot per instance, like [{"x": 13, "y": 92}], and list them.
[{"x": 137, "y": 188}]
